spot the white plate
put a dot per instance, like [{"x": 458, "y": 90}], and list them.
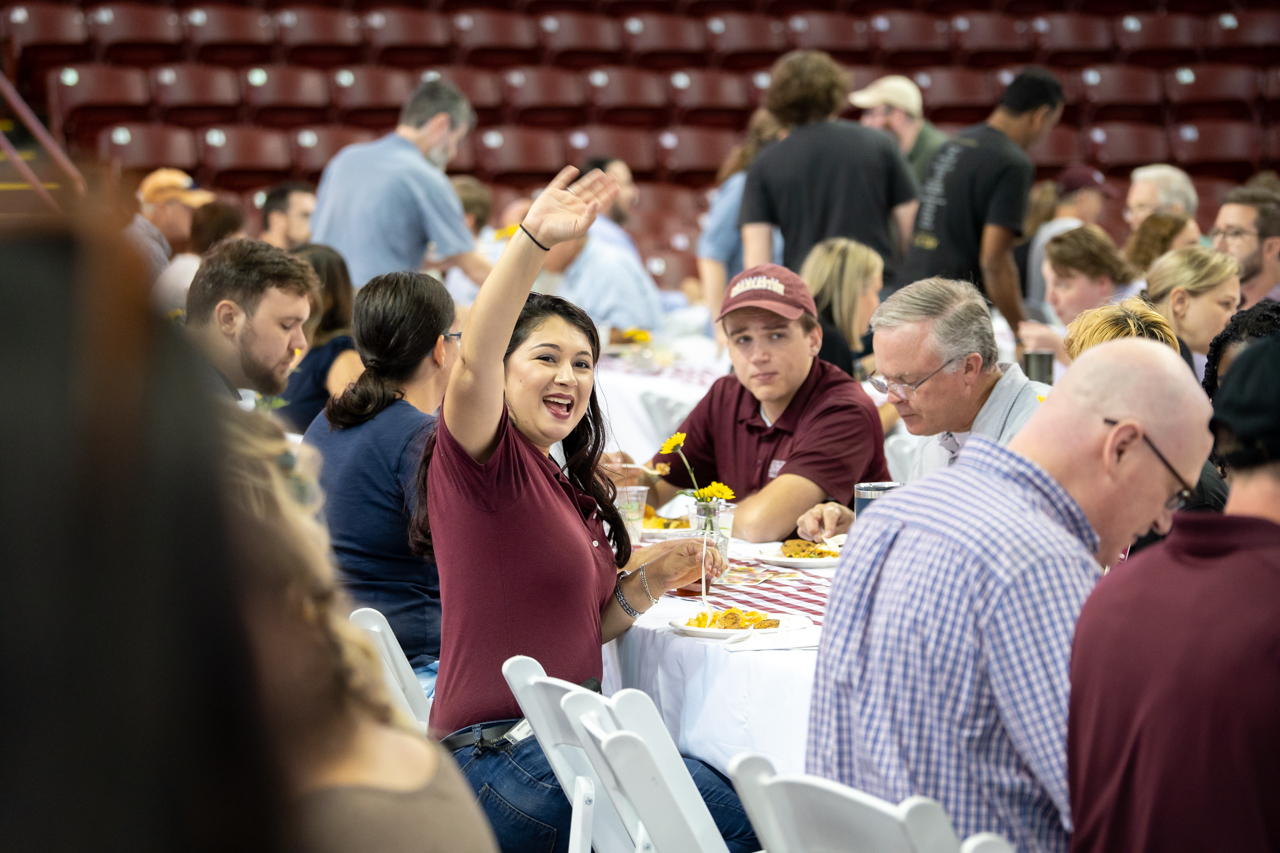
[
  {"x": 654, "y": 534},
  {"x": 790, "y": 621},
  {"x": 799, "y": 562}
]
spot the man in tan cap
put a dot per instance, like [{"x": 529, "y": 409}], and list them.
[
  {"x": 167, "y": 198},
  {"x": 894, "y": 104}
]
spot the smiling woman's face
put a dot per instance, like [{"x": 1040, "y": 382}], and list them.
[{"x": 548, "y": 382}]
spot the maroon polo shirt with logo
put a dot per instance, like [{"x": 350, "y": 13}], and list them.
[{"x": 830, "y": 434}]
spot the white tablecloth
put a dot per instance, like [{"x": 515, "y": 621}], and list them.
[
  {"x": 642, "y": 409},
  {"x": 716, "y": 703}
]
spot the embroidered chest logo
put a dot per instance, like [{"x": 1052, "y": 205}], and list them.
[{"x": 775, "y": 467}]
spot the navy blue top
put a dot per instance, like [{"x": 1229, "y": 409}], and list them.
[
  {"x": 368, "y": 476},
  {"x": 307, "y": 393}
]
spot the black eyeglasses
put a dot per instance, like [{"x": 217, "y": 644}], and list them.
[
  {"x": 1184, "y": 495},
  {"x": 457, "y": 336},
  {"x": 903, "y": 390}
]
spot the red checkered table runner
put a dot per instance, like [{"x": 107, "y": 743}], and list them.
[{"x": 794, "y": 591}]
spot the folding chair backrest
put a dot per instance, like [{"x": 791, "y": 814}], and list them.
[
  {"x": 646, "y": 768},
  {"x": 540, "y": 699},
  {"x": 806, "y": 814},
  {"x": 401, "y": 680}
]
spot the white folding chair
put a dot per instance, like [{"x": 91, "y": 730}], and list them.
[
  {"x": 806, "y": 814},
  {"x": 402, "y": 684},
  {"x": 633, "y": 751},
  {"x": 597, "y": 822}
]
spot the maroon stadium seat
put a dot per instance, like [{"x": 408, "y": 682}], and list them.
[
  {"x": 1244, "y": 36},
  {"x": 692, "y": 155},
  {"x": 906, "y": 38},
  {"x": 627, "y": 96},
  {"x": 409, "y": 38},
  {"x": 455, "y": 5},
  {"x": 1271, "y": 91},
  {"x": 798, "y": 7},
  {"x": 85, "y": 98},
  {"x": 656, "y": 230},
  {"x": 670, "y": 267},
  {"x": 846, "y": 38},
  {"x": 195, "y": 95},
  {"x": 38, "y": 36},
  {"x": 494, "y": 39},
  {"x": 637, "y": 148},
  {"x": 464, "y": 162},
  {"x": 229, "y": 35},
  {"x": 868, "y": 7},
  {"x": 709, "y": 97},
  {"x": 742, "y": 41},
  {"x": 1060, "y": 148},
  {"x": 1117, "y": 146},
  {"x": 518, "y": 155},
  {"x": 545, "y": 97},
  {"x": 1122, "y": 93},
  {"x": 370, "y": 95},
  {"x": 482, "y": 88},
  {"x": 240, "y": 157},
  {"x": 134, "y": 34},
  {"x": 1229, "y": 149},
  {"x": 542, "y": 7},
  {"x": 1159, "y": 39},
  {"x": 957, "y": 94},
  {"x": 665, "y": 41},
  {"x": 145, "y": 146},
  {"x": 701, "y": 8},
  {"x": 635, "y": 7},
  {"x": 576, "y": 40},
  {"x": 672, "y": 198},
  {"x": 285, "y": 95},
  {"x": 1271, "y": 146},
  {"x": 1210, "y": 193},
  {"x": 315, "y": 145},
  {"x": 989, "y": 38},
  {"x": 1071, "y": 39},
  {"x": 324, "y": 38},
  {"x": 1212, "y": 91}
]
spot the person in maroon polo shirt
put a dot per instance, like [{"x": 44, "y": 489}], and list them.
[
  {"x": 1173, "y": 732},
  {"x": 525, "y": 562},
  {"x": 785, "y": 430}
]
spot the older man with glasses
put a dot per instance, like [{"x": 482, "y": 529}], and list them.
[
  {"x": 946, "y": 645},
  {"x": 936, "y": 359}
]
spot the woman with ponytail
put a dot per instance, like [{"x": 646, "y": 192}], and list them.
[
  {"x": 371, "y": 438},
  {"x": 527, "y": 566}
]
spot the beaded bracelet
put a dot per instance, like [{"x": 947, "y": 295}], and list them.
[{"x": 622, "y": 599}]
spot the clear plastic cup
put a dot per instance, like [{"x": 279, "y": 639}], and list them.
[{"x": 630, "y": 502}]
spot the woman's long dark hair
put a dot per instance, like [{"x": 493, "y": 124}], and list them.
[
  {"x": 335, "y": 283},
  {"x": 397, "y": 319},
  {"x": 582, "y": 447}
]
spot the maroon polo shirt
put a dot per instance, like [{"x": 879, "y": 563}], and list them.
[
  {"x": 830, "y": 434},
  {"x": 525, "y": 569},
  {"x": 1173, "y": 733}
]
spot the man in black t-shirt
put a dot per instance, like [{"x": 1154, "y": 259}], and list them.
[
  {"x": 974, "y": 197},
  {"x": 826, "y": 178}
]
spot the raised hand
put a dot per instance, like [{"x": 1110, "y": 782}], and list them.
[{"x": 564, "y": 210}]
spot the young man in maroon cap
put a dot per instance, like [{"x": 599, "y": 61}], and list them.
[{"x": 784, "y": 430}]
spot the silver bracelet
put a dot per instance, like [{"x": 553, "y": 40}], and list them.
[
  {"x": 622, "y": 599},
  {"x": 644, "y": 584}
]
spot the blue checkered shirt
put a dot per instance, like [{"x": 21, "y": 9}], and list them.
[{"x": 943, "y": 669}]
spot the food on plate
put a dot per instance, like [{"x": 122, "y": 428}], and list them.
[
  {"x": 804, "y": 549},
  {"x": 733, "y": 619},
  {"x": 653, "y": 521}
]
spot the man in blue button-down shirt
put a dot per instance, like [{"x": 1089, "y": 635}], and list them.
[{"x": 943, "y": 669}]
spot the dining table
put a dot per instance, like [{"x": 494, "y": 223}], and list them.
[{"x": 719, "y": 699}]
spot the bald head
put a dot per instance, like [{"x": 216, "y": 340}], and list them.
[{"x": 1111, "y": 469}]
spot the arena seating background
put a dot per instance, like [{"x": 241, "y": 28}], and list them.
[{"x": 243, "y": 96}]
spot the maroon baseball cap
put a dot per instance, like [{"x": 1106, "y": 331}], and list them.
[
  {"x": 772, "y": 288},
  {"x": 1076, "y": 178}
]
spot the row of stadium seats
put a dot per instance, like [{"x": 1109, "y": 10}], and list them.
[
  {"x": 243, "y": 156},
  {"x": 83, "y": 98},
  {"x": 40, "y": 34}
]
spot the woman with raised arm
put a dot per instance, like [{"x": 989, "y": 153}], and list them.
[{"x": 526, "y": 565}]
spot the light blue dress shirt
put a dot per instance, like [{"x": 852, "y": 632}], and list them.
[
  {"x": 612, "y": 286},
  {"x": 944, "y": 663},
  {"x": 381, "y": 204},
  {"x": 721, "y": 238},
  {"x": 606, "y": 230}
]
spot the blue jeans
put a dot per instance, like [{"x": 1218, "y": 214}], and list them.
[{"x": 529, "y": 812}]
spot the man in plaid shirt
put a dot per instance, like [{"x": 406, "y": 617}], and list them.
[{"x": 943, "y": 669}]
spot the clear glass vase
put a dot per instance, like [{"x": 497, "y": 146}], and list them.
[{"x": 706, "y": 521}]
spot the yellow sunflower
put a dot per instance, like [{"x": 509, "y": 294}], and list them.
[
  {"x": 713, "y": 491},
  {"x": 671, "y": 445}
]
